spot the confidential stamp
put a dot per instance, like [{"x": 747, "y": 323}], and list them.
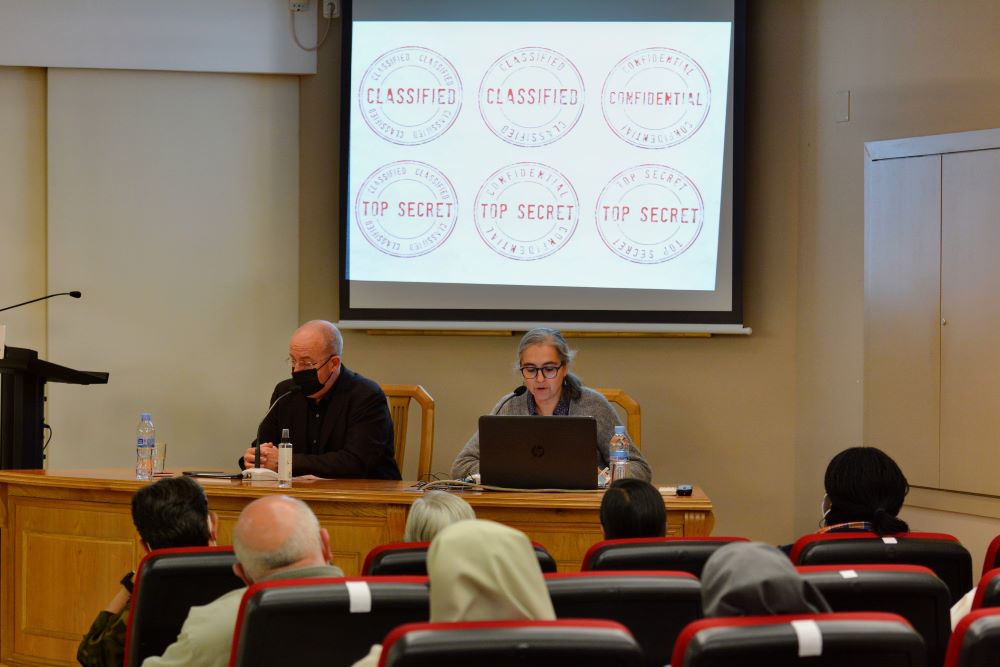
[
  {"x": 410, "y": 95},
  {"x": 656, "y": 98},
  {"x": 526, "y": 211},
  {"x": 406, "y": 209},
  {"x": 531, "y": 96},
  {"x": 649, "y": 214}
]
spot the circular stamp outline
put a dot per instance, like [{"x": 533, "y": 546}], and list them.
[
  {"x": 569, "y": 127},
  {"x": 363, "y": 106},
  {"x": 358, "y": 217},
  {"x": 556, "y": 249},
  {"x": 634, "y": 54},
  {"x": 600, "y": 225}
]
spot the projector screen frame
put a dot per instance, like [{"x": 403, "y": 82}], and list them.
[{"x": 715, "y": 321}]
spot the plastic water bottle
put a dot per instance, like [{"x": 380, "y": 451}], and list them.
[
  {"x": 285, "y": 460},
  {"x": 145, "y": 447},
  {"x": 618, "y": 454}
]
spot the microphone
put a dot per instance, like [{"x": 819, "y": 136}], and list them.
[
  {"x": 514, "y": 394},
  {"x": 75, "y": 294},
  {"x": 295, "y": 389}
]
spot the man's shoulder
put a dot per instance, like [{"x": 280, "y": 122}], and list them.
[{"x": 358, "y": 383}]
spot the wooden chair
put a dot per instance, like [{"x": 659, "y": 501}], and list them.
[
  {"x": 633, "y": 420},
  {"x": 399, "y": 397}
]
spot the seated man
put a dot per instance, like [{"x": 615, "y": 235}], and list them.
[
  {"x": 339, "y": 420},
  {"x": 170, "y": 513},
  {"x": 276, "y": 537}
]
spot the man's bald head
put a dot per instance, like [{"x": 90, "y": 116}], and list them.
[
  {"x": 278, "y": 533},
  {"x": 320, "y": 335}
]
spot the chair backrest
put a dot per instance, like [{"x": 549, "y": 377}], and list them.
[
  {"x": 578, "y": 642},
  {"x": 912, "y": 591},
  {"x": 975, "y": 642},
  {"x": 633, "y": 417},
  {"x": 167, "y": 584},
  {"x": 988, "y": 590},
  {"x": 992, "y": 559},
  {"x": 323, "y": 621},
  {"x": 410, "y": 558},
  {"x": 686, "y": 554},
  {"x": 942, "y": 553},
  {"x": 865, "y": 638},
  {"x": 399, "y": 397},
  {"x": 654, "y": 605}
]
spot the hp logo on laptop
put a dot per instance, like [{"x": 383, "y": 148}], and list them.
[{"x": 538, "y": 451}]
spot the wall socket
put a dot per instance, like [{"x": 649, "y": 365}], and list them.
[
  {"x": 298, "y": 5},
  {"x": 330, "y": 9}
]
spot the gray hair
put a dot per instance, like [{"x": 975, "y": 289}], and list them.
[
  {"x": 302, "y": 540},
  {"x": 331, "y": 336},
  {"x": 432, "y": 512},
  {"x": 553, "y": 337}
]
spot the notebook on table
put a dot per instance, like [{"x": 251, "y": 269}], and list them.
[{"x": 538, "y": 452}]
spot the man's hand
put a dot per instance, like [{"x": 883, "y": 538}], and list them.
[{"x": 268, "y": 457}]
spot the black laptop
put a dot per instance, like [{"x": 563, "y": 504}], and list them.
[{"x": 538, "y": 452}]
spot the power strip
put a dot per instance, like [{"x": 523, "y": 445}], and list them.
[{"x": 297, "y": 6}]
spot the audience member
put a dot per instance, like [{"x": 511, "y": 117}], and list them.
[
  {"x": 482, "y": 571},
  {"x": 276, "y": 537},
  {"x": 752, "y": 579},
  {"x": 865, "y": 490},
  {"x": 172, "y": 512},
  {"x": 432, "y": 512},
  {"x": 632, "y": 508}
]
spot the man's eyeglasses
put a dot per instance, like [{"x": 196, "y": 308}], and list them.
[
  {"x": 306, "y": 364},
  {"x": 549, "y": 371}
]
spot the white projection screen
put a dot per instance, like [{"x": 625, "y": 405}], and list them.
[{"x": 570, "y": 163}]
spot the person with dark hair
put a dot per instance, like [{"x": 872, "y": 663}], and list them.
[
  {"x": 543, "y": 360},
  {"x": 172, "y": 512},
  {"x": 632, "y": 508},
  {"x": 865, "y": 490}
]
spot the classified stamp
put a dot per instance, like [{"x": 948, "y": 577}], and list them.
[
  {"x": 531, "y": 96},
  {"x": 526, "y": 211},
  {"x": 656, "y": 98},
  {"x": 410, "y": 95},
  {"x": 406, "y": 208},
  {"x": 649, "y": 214}
]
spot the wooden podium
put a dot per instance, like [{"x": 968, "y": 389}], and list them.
[{"x": 67, "y": 538}]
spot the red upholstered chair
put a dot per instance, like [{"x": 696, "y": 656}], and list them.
[
  {"x": 859, "y": 638},
  {"x": 684, "y": 554},
  {"x": 942, "y": 553},
  {"x": 988, "y": 591},
  {"x": 323, "y": 621},
  {"x": 975, "y": 641},
  {"x": 399, "y": 558},
  {"x": 167, "y": 584},
  {"x": 912, "y": 591},
  {"x": 654, "y": 605},
  {"x": 577, "y": 642},
  {"x": 992, "y": 560}
]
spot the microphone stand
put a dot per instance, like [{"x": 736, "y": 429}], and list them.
[{"x": 258, "y": 474}]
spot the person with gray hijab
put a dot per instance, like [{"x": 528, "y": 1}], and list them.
[{"x": 756, "y": 579}]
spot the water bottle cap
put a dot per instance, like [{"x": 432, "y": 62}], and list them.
[
  {"x": 146, "y": 416},
  {"x": 619, "y": 430},
  {"x": 285, "y": 434}
]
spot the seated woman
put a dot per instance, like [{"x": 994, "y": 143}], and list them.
[
  {"x": 543, "y": 359},
  {"x": 755, "y": 579},
  {"x": 632, "y": 508},
  {"x": 482, "y": 571},
  {"x": 432, "y": 512},
  {"x": 865, "y": 490}
]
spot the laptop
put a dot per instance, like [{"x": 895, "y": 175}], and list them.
[{"x": 524, "y": 452}]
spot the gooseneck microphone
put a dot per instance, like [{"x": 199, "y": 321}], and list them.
[
  {"x": 514, "y": 394},
  {"x": 295, "y": 389},
  {"x": 74, "y": 294}
]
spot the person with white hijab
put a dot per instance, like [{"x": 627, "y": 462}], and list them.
[{"x": 482, "y": 571}]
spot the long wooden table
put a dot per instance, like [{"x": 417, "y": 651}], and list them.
[{"x": 66, "y": 538}]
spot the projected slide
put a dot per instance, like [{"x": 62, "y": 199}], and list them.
[{"x": 561, "y": 154}]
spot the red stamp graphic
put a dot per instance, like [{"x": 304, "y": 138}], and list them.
[
  {"x": 531, "y": 96},
  {"x": 406, "y": 209},
  {"x": 526, "y": 211},
  {"x": 649, "y": 214},
  {"x": 410, "y": 95},
  {"x": 656, "y": 98}
]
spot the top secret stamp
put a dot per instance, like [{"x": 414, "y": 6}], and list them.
[
  {"x": 410, "y": 95},
  {"x": 531, "y": 96},
  {"x": 656, "y": 98}
]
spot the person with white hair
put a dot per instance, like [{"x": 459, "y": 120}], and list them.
[
  {"x": 276, "y": 537},
  {"x": 432, "y": 512}
]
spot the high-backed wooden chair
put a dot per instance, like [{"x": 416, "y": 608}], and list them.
[
  {"x": 633, "y": 419},
  {"x": 399, "y": 397}
]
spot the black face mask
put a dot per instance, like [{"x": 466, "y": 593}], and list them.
[{"x": 307, "y": 380}]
